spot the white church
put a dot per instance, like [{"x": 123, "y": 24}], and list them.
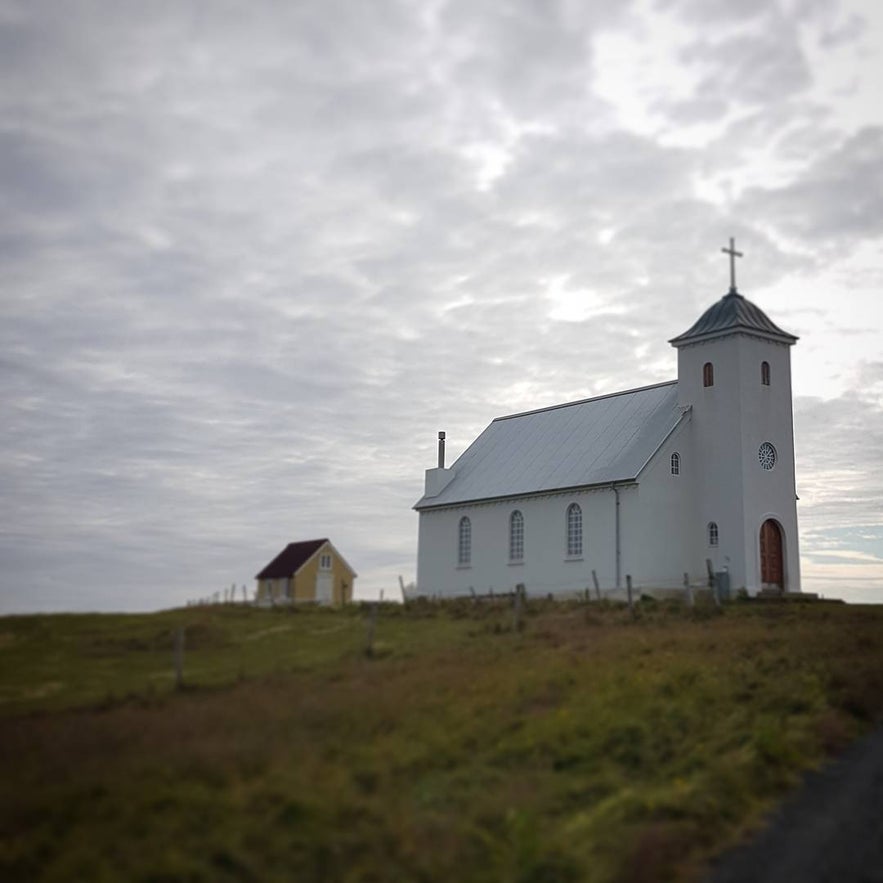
[{"x": 678, "y": 477}]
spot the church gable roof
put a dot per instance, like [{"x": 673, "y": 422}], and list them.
[
  {"x": 590, "y": 442},
  {"x": 732, "y": 313}
]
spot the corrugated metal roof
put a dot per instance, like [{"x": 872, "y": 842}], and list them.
[
  {"x": 590, "y": 442},
  {"x": 732, "y": 312}
]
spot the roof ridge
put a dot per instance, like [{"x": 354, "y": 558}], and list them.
[{"x": 608, "y": 395}]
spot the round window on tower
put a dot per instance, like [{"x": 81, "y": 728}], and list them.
[{"x": 766, "y": 453}]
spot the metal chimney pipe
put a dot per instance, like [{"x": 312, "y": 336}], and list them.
[{"x": 441, "y": 450}]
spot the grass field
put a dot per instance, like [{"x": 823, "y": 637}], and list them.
[{"x": 589, "y": 746}]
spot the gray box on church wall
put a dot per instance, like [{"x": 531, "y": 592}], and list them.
[{"x": 722, "y": 582}]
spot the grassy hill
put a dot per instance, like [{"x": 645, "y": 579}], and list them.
[{"x": 591, "y": 745}]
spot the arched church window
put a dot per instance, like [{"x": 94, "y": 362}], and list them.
[
  {"x": 712, "y": 533},
  {"x": 574, "y": 530},
  {"x": 516, "y": 536},
  {"x": 675, "y": 463},
  {"x": 765, "y": 373},
  {"x": 464, "y": 542},
  {"x": 708, "y": 374}
]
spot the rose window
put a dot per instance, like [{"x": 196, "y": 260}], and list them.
[{"x": 766, "y": 453}]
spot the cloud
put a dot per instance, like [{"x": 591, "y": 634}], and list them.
[
  {"x": 834, "y": 201},
  {"x": 837, "y": 447},
  {"x": 253, "y": 263}
]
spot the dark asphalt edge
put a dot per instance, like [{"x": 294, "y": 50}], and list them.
[{"x": 829, "y": 830}]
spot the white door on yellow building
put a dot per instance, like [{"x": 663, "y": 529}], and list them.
[
  {"x": 324, "y": 588},
  {"x": 325, "y": 580}
]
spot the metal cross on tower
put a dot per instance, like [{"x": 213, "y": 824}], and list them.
[{"x": 731, "y": 251}]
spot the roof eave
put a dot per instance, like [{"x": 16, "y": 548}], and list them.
[
  {"x": 689, "y": 339},
  {"x": 528, "y": 494},
  {"x": 345, "y": 563}
]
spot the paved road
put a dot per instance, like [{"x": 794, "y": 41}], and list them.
[{"x": 829, "y": 831}]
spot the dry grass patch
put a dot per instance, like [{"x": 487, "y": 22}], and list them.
[{"x": 595, "y": 747}]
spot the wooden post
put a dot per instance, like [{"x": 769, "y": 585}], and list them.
[
  {"x": 688, "y": 589},
  {"x": 628, "y": 587},
  {"x": 179, "y": 657},
  {"x": 516, "y": 607},
  {"x": 597, "y": 587},
  {"x": 372, "y": 624},
  {"x": 714, "y": 591}
]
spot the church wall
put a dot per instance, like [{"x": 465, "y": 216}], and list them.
[
  {"x": 717, "y": 432},
  {"x": 731, "y": 419},
  {"x": 661, "y": 537},
  {"x": 767, "y": 417},
  {"x": 545, "y": 566}
]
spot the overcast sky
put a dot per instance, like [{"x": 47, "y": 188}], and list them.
[{"x": 254, "y": 255}]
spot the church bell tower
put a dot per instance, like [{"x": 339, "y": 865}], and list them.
[{"x": 734, "y": 373}]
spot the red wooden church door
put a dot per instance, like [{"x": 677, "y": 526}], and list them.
[{"x": 771, "y": 565}]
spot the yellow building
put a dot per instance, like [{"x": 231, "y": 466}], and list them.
[{"x": 312, "y": 571}]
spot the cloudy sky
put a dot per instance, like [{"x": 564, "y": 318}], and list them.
[{"x": 254, "y": 255}]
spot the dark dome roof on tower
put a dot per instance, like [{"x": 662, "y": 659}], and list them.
[{"x": 731, "y": 314}]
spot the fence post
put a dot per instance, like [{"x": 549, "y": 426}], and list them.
[
  {"x": 516, "y": 607},
  {"x": 179, "y": 657},
  {"x": 628, "y": 587},
  {"x": 372, "y": 624},
  {"x": 688, "y": 590},
  {"x": 597, "y": 587}
]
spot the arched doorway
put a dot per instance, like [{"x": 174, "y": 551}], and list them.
[{"x": 772, "y": 568}]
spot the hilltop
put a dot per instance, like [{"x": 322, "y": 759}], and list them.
[{"x": 590, "y": 745}]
